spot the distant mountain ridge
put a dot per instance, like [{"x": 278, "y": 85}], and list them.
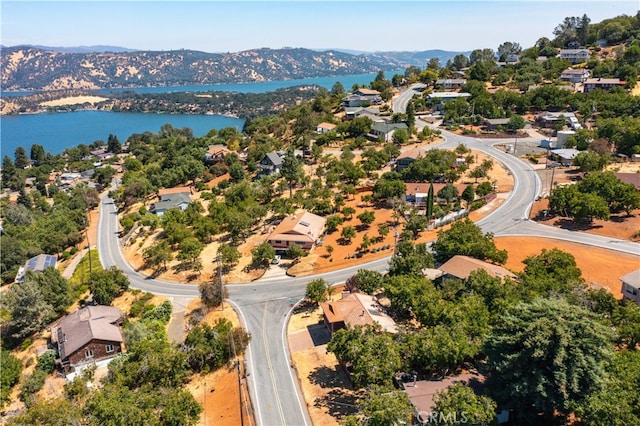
[{"x": 97, "y": 67}]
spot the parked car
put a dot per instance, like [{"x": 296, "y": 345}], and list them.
[{"x": 276, "y": 259}]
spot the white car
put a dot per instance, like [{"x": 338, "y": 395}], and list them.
[{"x": 276, "y": 259}]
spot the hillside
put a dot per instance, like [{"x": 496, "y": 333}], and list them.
[{"x": 31, "y": 68}]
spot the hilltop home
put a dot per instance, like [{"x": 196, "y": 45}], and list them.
[
  {"x": 405, "y": 159},
  {"x": 177, "y": 200},
  {"x": 270, "y": 164},
  {"x": 355, "y": 309},
  {"x": 361, "y": 97},
  {"x": 325, "y": 128},
  {"x": 493, "y": 123},
  {"x": 386, "y": 130},
  {"x": 36, "y": 264},
  {"x": 215, "y": 153},
  {"x": 575, "y": 75},
  {"x": 444, "y": 97},
  {"x": 462, "y": 266},
  {"x": 303, "y": 229},
  {"x": 451, "y": 83},
  {"x": 564, "y": 156},
  {"x": 417, "y": 192},
  {"x": 88, "y": 335},
  {"x": 575, "y": 56},
  {"x": 631, "y": 286},
  {"x": 592, "y": 84}
]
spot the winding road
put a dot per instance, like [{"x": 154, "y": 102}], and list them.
[{"x": 265, "y": 305}]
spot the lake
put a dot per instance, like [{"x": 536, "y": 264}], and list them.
[{"x": 58, "y": 131}]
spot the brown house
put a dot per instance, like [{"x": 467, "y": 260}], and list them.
[
  {"x": 462, "y": 266},
  {"x": 88, "y": 335},
  {"x": 355, "y": 309},
  {"x": 303, "y": 229}
]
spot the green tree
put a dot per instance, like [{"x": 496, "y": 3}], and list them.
[
  {"x": 113, "y": 144},
  {"x": 589, "y": 161},
  {"x": 348, "y": 233},
  {"x": 263, "y": 254},
  {"x": 469, "y": 194},
  {"x": 21, "y": 160},
  {"x": 157, "y": 255},
  {"x": 28, "y": 311},
  {"x": 291, "y": 169},
  {"x": 386, "y": 406},
  {"x": 11, "y": 368},
  {"x": 373, "y": 355},
  {"x": 460, "y": 402},
  {"x": 516, "y": 122},
  {"x": 466, "y": 238},
  {"x": 54, "y": 288},
  {"x": 294, "y": 251},
  {"x": 107, "y": 284},
  {"x": 229, "y": 255},
  {"x": 546, "y": 356},
  {"x": 190, "y": 249},
  {"x": 366, "y": 218},
  {"x": 550, "y": 273},
  {"x": 316, "y": 291},
  {"x": 365, "y": 280}
]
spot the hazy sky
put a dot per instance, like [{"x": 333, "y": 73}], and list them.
[{"x": 217, "y": 26}]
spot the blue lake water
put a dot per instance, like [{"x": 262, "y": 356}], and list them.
[{"x": 58, "y": 131}]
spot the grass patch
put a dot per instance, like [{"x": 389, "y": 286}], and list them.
[{"x": 80, "y": 280}]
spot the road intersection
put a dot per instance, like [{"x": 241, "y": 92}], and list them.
[{"x": 265, "y": 305}]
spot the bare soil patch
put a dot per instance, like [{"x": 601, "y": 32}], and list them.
[
  {"x": 600, "y": 267},
  {"x": 74, "y": 100}
]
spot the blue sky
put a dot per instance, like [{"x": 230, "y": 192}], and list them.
[{"x": 216, "y": 26}]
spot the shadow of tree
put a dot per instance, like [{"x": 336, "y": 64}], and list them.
[
  {"x": 338, "y": 404},
  {"x": 576, "y": 226}
]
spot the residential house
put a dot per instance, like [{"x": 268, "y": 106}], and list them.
[
  {"x": 575, "y": 56},
  {"x": 575, "y": 75},
  {"x": 592, "y": 84},
  {"x": 325, "y": 127},
  {"x": 549, "y": 119},
  {"x": 417, "y": 192},
  {"x": 462, "y": 266},
  {"x": 215, "y": 154},
  {"x": 171, "y": 200},
  {"x": 631, "y": 286},
  {"x": 303, "y": 229},
  {"x": 36, "y": 264},
  {"x": 421, "y": 394},
  {"x": 87, "y": 336},
  {"x": 362, "y": 97},
  {"x": 564, "y": 156},
  {"x": 270, "y": 164},
  {"x": 386, "y": 130},
  {"x": 355, "y": 309},
  {"x": 406, "y": 158},
  {"x": 451, "y": 83},
  {"x": 512, "y": 58},
  {"x": 443, "y": 97},
  {"x": 632, "y": 178},
  {"x": 493, "y": 123}
]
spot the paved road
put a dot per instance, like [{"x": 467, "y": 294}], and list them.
[{"x": 264, "y": 306}]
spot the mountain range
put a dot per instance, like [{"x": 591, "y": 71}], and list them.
[{"x": 97, "y": 67}]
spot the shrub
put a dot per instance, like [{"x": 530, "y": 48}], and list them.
[{"x": 47, "y": 362}]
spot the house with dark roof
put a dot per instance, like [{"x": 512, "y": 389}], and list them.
[
  {"x": 355, "y": 309},
  {"x": 386, "y": 130},
  {"x": 303, "y": 229},
  {"x": 631, "y": 286},
  {"x": 632, "y": 178},
  {"x": 177, "y": 200},
  {"x": 86, "y": 336},
  {"x": 462, "y": 266},
  {"x": 270, "y": 164},
  {"x": 36, "y": 264}
]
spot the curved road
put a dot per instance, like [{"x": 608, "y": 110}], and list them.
[{"x": 265, "y": 306}]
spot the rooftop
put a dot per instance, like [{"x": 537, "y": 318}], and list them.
[
  {"x": 358, "y": 309},
  {"x": 632, "y": 279},
  {"x": 462, "y": 266}
]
